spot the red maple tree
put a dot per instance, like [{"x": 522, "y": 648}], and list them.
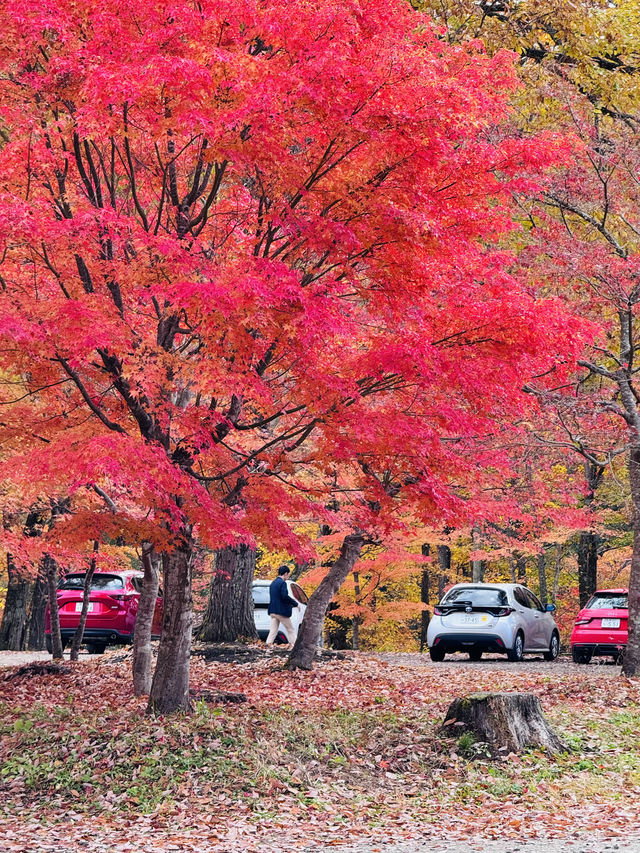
[{"x": 248, "y": 266}]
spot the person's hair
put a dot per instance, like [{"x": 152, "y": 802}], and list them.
[{"x": 284, "y": 570}]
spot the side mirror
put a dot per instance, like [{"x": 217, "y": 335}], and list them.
[{"x": 550, "y": 608}]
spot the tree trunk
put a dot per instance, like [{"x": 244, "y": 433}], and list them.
[
  {"x": 556, "y": 574},
  {"x": 631, "y": 660},
  {"x": 142, "y": 655},
  {"x": 444, "y": 562},
  {"x": 52, "y": 582},
  {"x": 587, "y": 565},
  {"x": 229, "y": 615},
  {"x": 35, "y": 640},
  {"x": 507, "y": 722},
  {"x": 355, "y": 625},
  {"x": 13, "y": 629},
  {"x": 170, "y": 685},
  {"x": 542, "y": 578},
  {"x": 303, "y": 652},
  {"x": 424, "y": 598},
  {"x": 477, "y": 566},
  {"x": 86, "y": 593}
]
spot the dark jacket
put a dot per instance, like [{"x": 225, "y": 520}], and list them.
[{"x": 280, "y": 602}]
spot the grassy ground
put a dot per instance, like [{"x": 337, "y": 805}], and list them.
[{"x": 350, "y": 746}]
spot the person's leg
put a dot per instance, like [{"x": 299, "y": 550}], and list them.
[
  {"x": 273, "y": 631},
  {"x": 288, "y": 626}
]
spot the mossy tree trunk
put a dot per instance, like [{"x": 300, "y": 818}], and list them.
[{"x": 507, "y": 722}]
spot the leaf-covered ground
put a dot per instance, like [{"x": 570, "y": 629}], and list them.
[{"x": 346, "y": 751}]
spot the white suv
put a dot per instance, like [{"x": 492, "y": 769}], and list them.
[
  {"x": 260, "y": 592},
  {"x": 492, "y": 617}
]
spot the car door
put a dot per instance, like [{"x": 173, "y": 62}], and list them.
[
  {"x": 541, "y": 629},
  {"x": 526, "y": 616},
  {"x": 301, "y": 597}
]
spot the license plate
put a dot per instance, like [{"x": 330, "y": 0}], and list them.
[
  {"x": 79, "y": 607},
  {"x": 473, "y": 619},
  {"x": 610, "y": 623}
]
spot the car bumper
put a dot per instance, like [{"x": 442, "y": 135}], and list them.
[
  {"x": 105, "y": 635},
  {"x": 600, "y": 648},
  {"x": 463, "y": 641}
]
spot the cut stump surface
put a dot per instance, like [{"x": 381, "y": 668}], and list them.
[{"x": 507, "y": 722}]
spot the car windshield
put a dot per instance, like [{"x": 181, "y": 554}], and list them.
[
  {"x": 476, "y": 597},
  {"x": 98, "y": 582},
  {"x": 260, "y": 594},
  {"x": 608, "y": 601}
]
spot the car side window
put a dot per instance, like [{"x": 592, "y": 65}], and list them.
[
  {"x": 520, "y": 597},
  {"x": 136, "y": 583},
  {"x": 534, "y": 603},
  {"x": 299, "y": 594}
]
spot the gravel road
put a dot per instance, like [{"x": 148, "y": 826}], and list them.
[
  {"x": 481, "y": 845},
  {"x": 599, "y": 668}
]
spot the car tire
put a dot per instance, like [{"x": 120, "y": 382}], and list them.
[
  {"x": 581, "y": 655},
  {"x": 96, "y": 648},
  {"x": 516, "y": 654},
  {"x": 554, "y": 647},
  {"x": 436, "y": 654},
  {"x": 475, "y": 654}
]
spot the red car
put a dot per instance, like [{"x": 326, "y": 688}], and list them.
[
  {"x": 601, "y": 626},
  {"x": 113, "y": 604}
]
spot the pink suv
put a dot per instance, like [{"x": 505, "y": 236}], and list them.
[
  {"x": 113, "y": 604},
  {"x": 601, "y": 626}
]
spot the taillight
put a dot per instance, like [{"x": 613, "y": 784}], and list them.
[
  {"x": 504, "y": 611},
  {"x": 437, "y": 611},
  {"x": 582, "y": 621}
]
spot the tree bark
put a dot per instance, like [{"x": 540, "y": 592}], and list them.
[
  {"x": 170, "y": 684},
  {"x": 35, "y": 628},
  {"x": 86, "y": 593},
  {"x": 355, "y": 624},
  {"x": 424, "y": 598},
  {"x": 303, "y": 652},
  {"x": 587, "y": 565},
  {"x": 13, "y": 629},
  {"x": 444, "y": 562},
  {"x": 507, "y": 722},
  {"x": 477, "y": 566},
  {"x": 229, "y": 615},
  {"x": 542, "y": 578},
  {"x": 52, "y": 582},
  {"x": 142, "y": 654},
  {"x": 631, "y": 660},
  {"x": 556, "y": 574}
]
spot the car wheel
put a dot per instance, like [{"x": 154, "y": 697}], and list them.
[
  {"x": 581, "y": 655},
  {"x": 516, "y": 654},
  {"x": 554, "y": 648},
  {"x": 96, "y": 648},
  {"x": 281, "y": 639},
  {"x": 475, "y": 654},
  {"x": 436, "y": 654},
  {"x": 619, "y": 658}
]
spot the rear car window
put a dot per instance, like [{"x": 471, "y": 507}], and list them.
[
  {"x": 608, "y": 600},
  {"x": 299, "y": 594},
  {"x": 476, "y": 597},
  {"x": 98, "y": 582},
  {"x": 260, "y": 594}
]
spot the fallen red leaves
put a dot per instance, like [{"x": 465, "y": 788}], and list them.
[{"x": 346, "y": 750}]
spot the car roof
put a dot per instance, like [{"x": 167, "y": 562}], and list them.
[
  {"x": 618, "y": 591},
  {"x": 483, "y": 585}
]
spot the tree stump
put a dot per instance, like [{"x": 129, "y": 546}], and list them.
[{"x": 507, "y": 722}]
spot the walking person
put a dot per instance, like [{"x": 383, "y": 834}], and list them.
[{"x": 281, "y": 607}]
